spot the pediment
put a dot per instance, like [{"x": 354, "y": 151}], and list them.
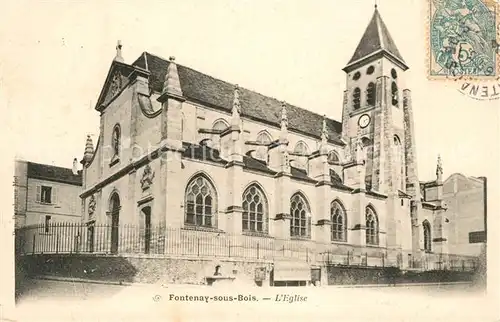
[{"x": 116, "y": 80}]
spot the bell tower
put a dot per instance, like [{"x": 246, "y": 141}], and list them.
[
  {"x": 373, "y": 107},
  {"x": 377, "y": 112}
]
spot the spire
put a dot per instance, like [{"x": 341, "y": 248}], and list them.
[
  {"x": 324, "y": 131},
  {"x": 89, "y": 150},
  {"x": 284, "y": 123},
  {"x": 172, "y": 84},
  {"x": 118, "y": 56},
  {"x": 236, "y": 110},
  {"x": 376, "y": 39},
  {"x": 324, "y": 137},
  {"x": 439, "y": 169}
]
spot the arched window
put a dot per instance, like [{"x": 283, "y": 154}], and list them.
[
  {"x": 219, "y": 125},
  {"x": 371, "y": 226},
  {"x": 255, "y": 210},
  {"x": 398, "y": 162},
  {"x": 395, "y": 94},
  {"x": 370, "y": 94},
  {"x": 201, "y": 202},
  {"x": 427, "y": 236},
  {"x": 339, "y": 221},
  {"x": 261, "y": 151},
  {"x": 301, "y": 160},
  {"x": 116, "y": 138},
  {"x": 301, "y": 148},
  {"x": 300, "y": 224},
  {"x": 356, "y": 98},
  {"x": 333, "y": 158}
]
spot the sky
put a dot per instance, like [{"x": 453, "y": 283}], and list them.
[{"x": 56, "y": 55}]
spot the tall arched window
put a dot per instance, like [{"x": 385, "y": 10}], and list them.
[
  {"x": 356, "y": 98},
  {"x": 201, "y": 202},
  {"x": 114, "y": 209},
  {"x": 300, "y": 224},
  {"x": 255, "y": 210},
  {"x": 370, "y": 94},
  {"x": 427, "y": 236},
  {"x": 219, "y": 125},
  {"x": 395, "y": 94},
  {"x": 339, "y": 221},
  {"x": 116, "y": 138},
  {"x": 261, "y": 151},
  {"x": 398, "y": 163},
  {"x": 371, "y": 226}
]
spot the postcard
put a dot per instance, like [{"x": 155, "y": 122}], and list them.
[{"x": 250, "y": 160}]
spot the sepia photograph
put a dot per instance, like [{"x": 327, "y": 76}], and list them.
[{"x": 191, "y": 160}]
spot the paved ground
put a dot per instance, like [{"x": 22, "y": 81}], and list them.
[{"x": 46, "y": 300}]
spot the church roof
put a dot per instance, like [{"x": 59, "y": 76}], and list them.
[
  {"x": 376, "y": 39},
  {"x": 53, "y": 173},
  {"x": 216, "y": 93}
]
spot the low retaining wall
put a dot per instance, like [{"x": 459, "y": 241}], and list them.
[
  {"x": 343, "y": 275},
  {"x": 133, "y": 269}
]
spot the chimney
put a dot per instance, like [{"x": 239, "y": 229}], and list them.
[{"x": 75, "y": 166}]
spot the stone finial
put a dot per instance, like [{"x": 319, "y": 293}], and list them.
[
  {"x": 284, "y": 117},
  {"x": 284, "y": 122},
  {"x": 172, "y": 84},
  {"x": 89, "y": 150},
  {"x": 74, "y": 169},
  {"x": 439, "y": 169},
  {"x": 118, "y": 56},
  {"x": 324, "y": 131},
  {"x": 236, "y": 110}
]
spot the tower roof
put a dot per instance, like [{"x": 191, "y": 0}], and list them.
[{"x": 376, "y": 40}]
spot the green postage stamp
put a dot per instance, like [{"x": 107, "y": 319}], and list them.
[{"x": 463, "y": 39}]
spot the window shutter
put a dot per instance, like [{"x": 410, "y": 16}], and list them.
[
  {"x": 54, "y": 195},
  {"x": 38, "y": 193}
]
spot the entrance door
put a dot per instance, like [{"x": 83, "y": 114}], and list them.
[
  {"x": 115, "y": 220},
  {"x": 90, "y": 238},
  {"x": 147, "y": 230}
]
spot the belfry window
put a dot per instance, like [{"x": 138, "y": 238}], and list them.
[
  {"x": 395, "y": 94},
  {"x": 255, "y": 210},
  {"x": 300, "y": 224},
  {"x": 371, "y": 226},
  {"x": 370, "y": 94},
  {"x": 356, "y": 98},
  {"x": 201, "y": 202},
  {"x": 338, "y": 218}
]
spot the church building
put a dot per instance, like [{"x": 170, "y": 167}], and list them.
[
  {"x": 186, "y": 164},
  {"x": 180, "y": 149}
]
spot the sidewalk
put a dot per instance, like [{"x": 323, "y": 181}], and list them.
[{"x": 82, "y": 280}]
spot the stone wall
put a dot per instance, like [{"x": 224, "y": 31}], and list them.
[{"x": 140, "y": 269}]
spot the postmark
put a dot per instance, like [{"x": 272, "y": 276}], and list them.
[{"x": 463, "y": 40}]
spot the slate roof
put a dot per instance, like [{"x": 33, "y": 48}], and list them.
[
  {"x": 53, "y": 173},
  {"x": 214, "y": 92},
  {"x": 375, "y": 38}
]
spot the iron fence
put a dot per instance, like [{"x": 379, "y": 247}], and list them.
[{"x": 68, "y": 238}]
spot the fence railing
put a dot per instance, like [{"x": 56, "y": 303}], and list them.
[{"x": 67, "y": 238}]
